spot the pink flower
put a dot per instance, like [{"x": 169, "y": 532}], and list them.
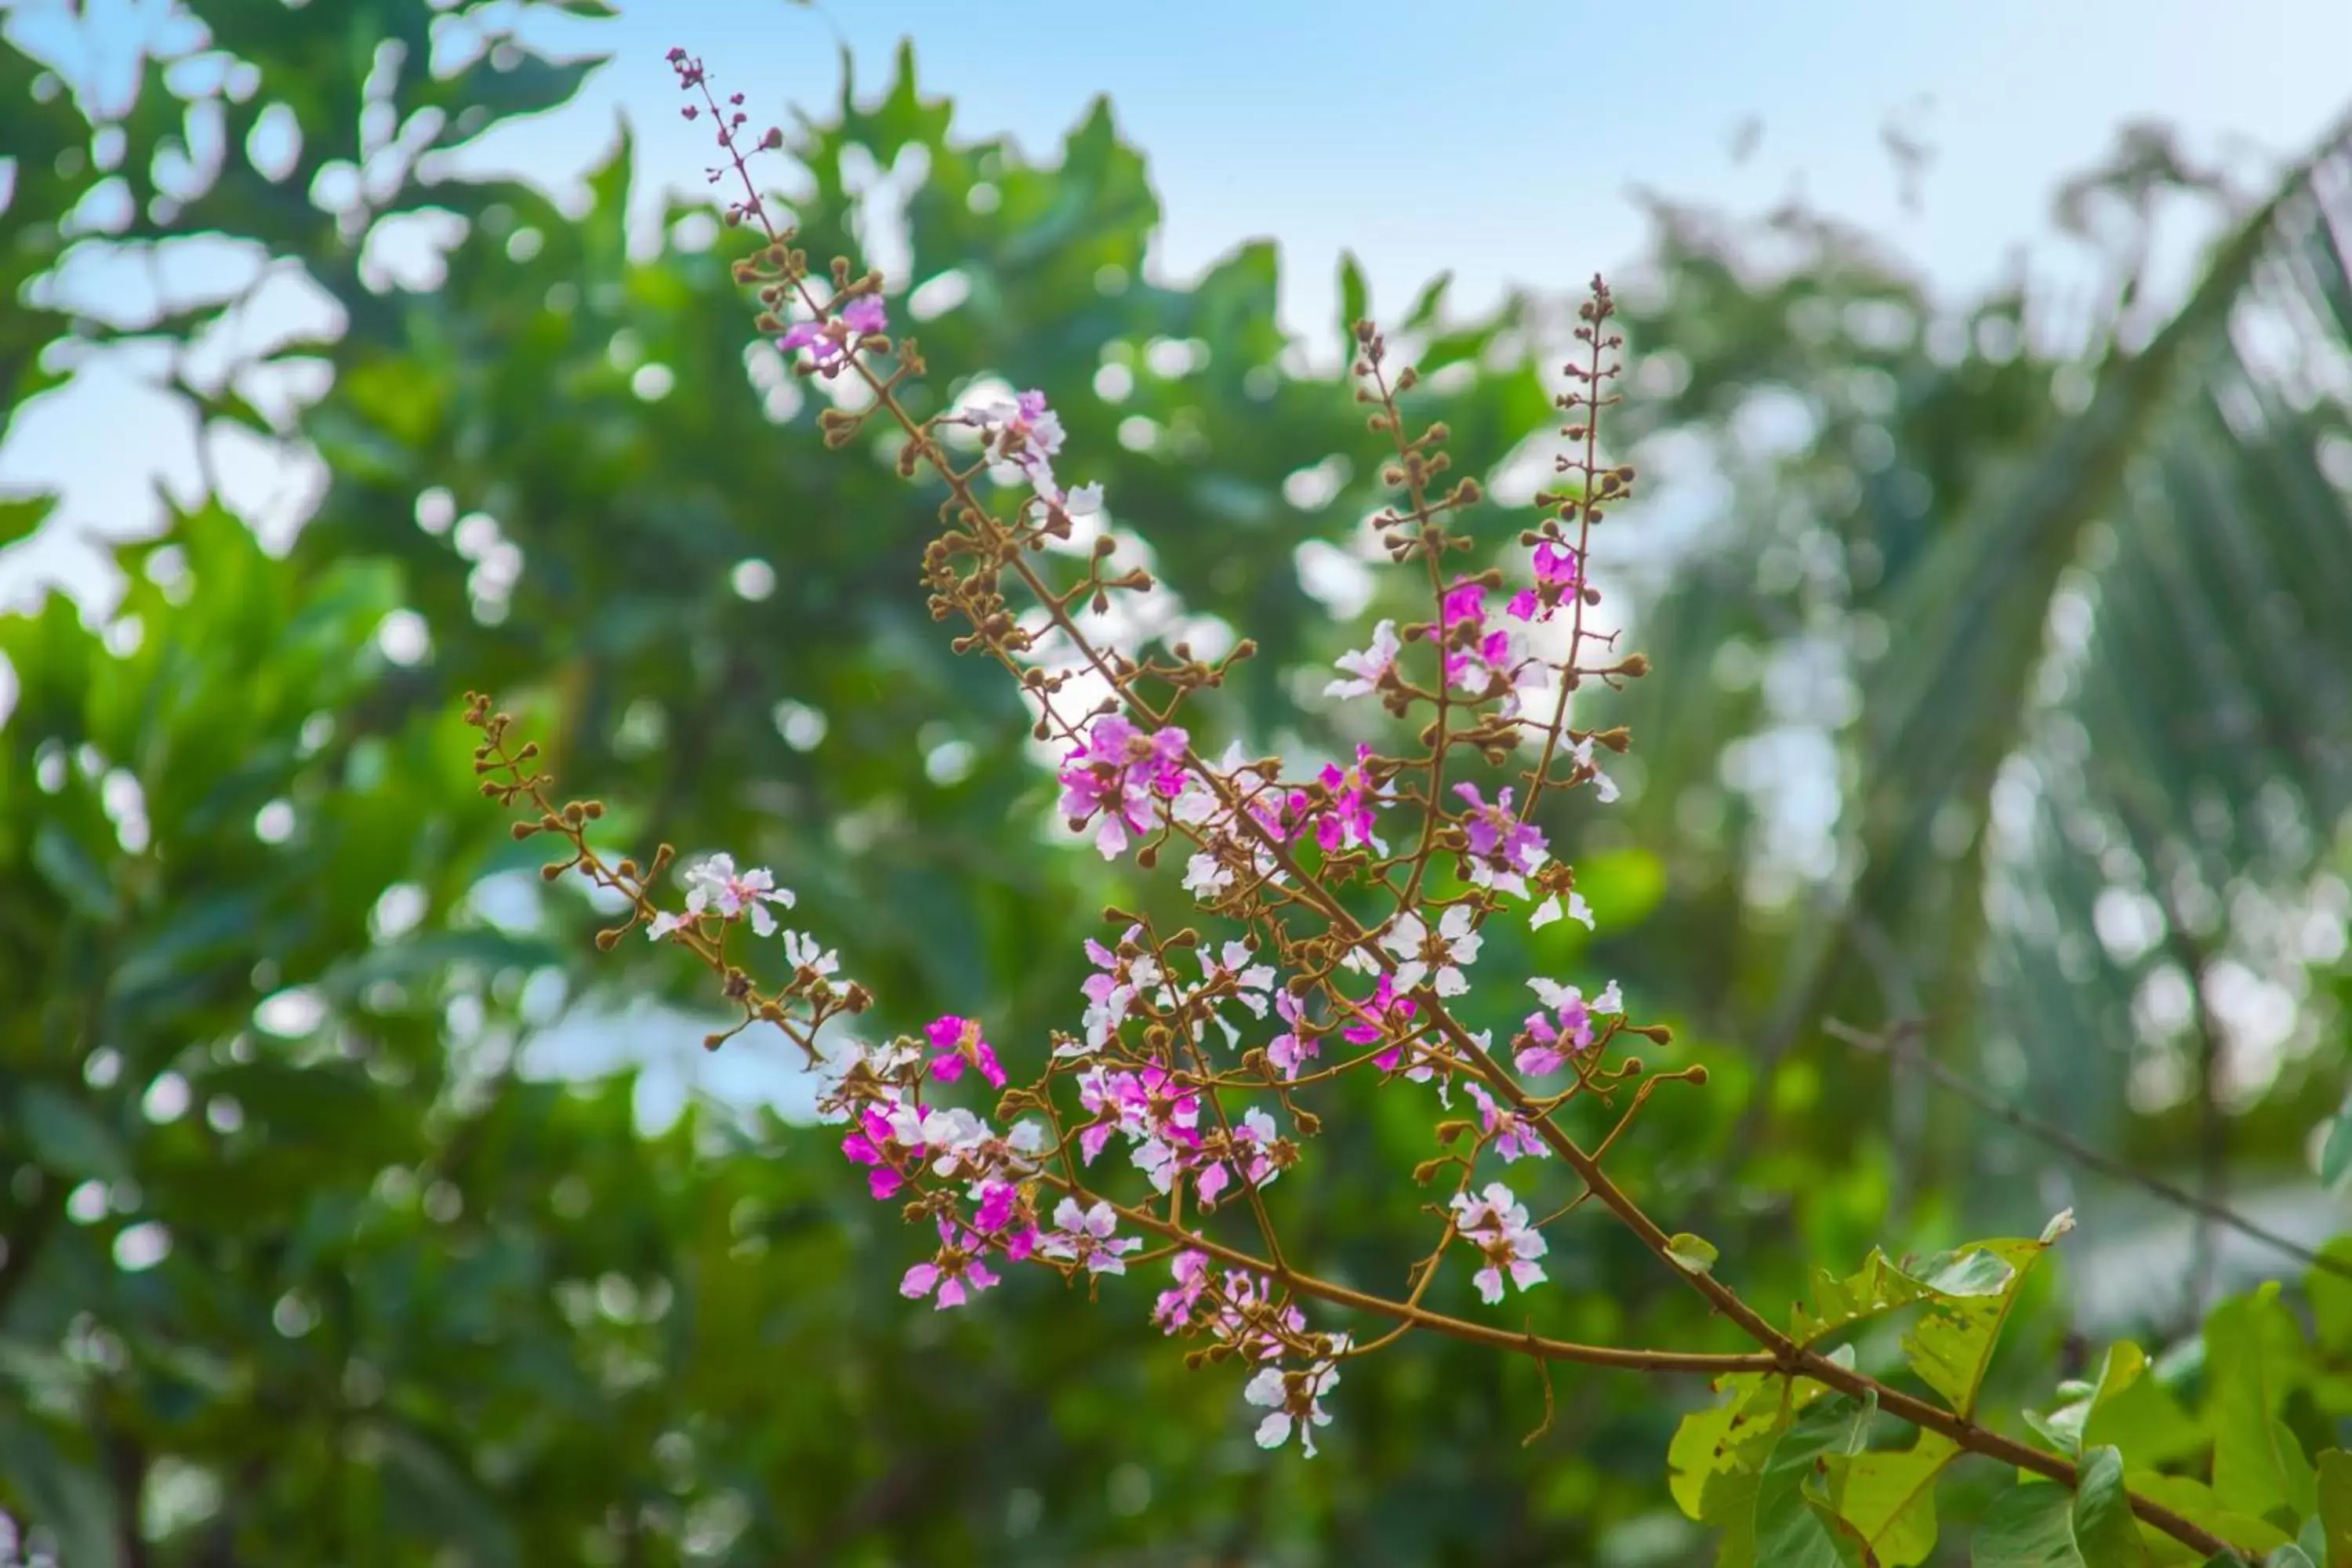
[
  {"x": 884, "y": 1145},
  {"x": 1497, "y": 1224},
  {"x": 1248, "y": 1149},
  {"x": 958, "y": 1041},
  {"x": 1025, "y": 433},
  {"x": 1515, "y": 1137},
  {"x": 955, "y": 1271},
  {"x": 1005, "y": 1217},
  {"x": 1558, "y": 576},
  {"x": 1112, "y": 994},
  {"x": 1503, "y": 851},
  {"x": 1173, "y": 1310},
  {"x": 1385, "y": 1013},
  {"x": 1086, "y": 1236},
  {"x": 1552, "y": 1044},
  {"x": 830, "y": 340},
  {"x": 715, "y": 886},
  {"x": 1291, "y": 1049},
  {"x": 1345, "y": 820},
  {"x": 1118, "y": 775}
]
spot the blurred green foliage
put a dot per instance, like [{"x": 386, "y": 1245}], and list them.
[{"x": 301, "y": 1266}]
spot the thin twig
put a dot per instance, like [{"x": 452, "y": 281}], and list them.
[{"x": 1901, "y": 1040}]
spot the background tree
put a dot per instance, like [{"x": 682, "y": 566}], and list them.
[{"x": 302, "y": 1261}]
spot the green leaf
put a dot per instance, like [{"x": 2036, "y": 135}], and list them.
[
  {"x": 2251, "y": 1346},
  {"x": 2289, "y": 1556},
  {"x": 67, "y": 868},
  {"x": 1692, "y": 1254},
  {"x": 68, "y": 1137},
  {"x": 1793, "y": 1529},
  {"x": 1951, "y": 1345},
  {"x": 74, "y": 1501},
  {"x": 2335, "y": 1471},
  {"x": 1889, "y": 1498},
  {"x": 2039, "y": 1525},
  {"x": 2335, "y": 1156},
  {"x": 1355, "y": 296},
  {"x": 1880, "y": 1287},
  {"x": 2125, "y": 1408}
]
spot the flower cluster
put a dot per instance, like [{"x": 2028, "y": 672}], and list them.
[{"x": 1353, "y": 896}]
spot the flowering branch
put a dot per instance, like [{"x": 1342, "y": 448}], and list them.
[{"x": 1338, "y": 935}]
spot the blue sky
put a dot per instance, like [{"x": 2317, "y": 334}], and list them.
[{"x": 1501, "y": 138}]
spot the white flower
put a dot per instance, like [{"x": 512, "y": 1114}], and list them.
[
  {"x": 802, "y": 953},
  {"x": 1367, "y": 667},
  {"x": 1496, "y": 1224},
  {"x": 1296, "y": 1399},
  {"x": 1550, "y": 910},
  {"x": 714, "y": 886},
  {"x": 1604, "y": 788},
  {"x": 1418, "y": 952}
]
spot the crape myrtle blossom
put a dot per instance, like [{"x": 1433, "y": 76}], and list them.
[
  {"x": 960, "y": 1043},
  {"x": 1514, "y": 1136},
  {"x": 1551, "y": 1043},
  {"x": 1172, "y": 1312},
  {"x": 1436, "y": 956},
  {"x": 830, "y": 339},
  {"x": 801, "y": 952},
  {"x": 1025, "y": 433},
  {"x": 1157, "y": 1115},
  {"x": 1480, "y": 658},
  {"x": 1118, "y": 775},
  {"x": 1086, "y": 1236},
  {"x": 1296, "y": 1399},
  {"x": 1345, "y": 820},
  {"x": 1367, "y": 669},
  {"x": 1112, "y": 994},
  {"x": 1248, "y": 1149},
  {"x": 713, "y": 887},
  {"x": 1230, "y": 976},
  {"x": 956, "y": 1273},
  {"x": 1604, "y": 788},
  {"x": 1295, "y": 1046},
  {"x": 1503, "y": 851},
  {"x": 1495, "y": 1223},
  {"x": 1550, "y": 910},
  {"x": 1558, "y": 576},
  {"x": 1005, "y": 1217}
]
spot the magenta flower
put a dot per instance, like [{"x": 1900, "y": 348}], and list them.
[
  {"x": 958, "y": 1043},
  {"x": 1174, "y": 1311},
  {"x": 1005, "y": 1218},
  {"x": 1386, "y": 1014},
  {"x": 1503, "y": 851},
  {"x": 1558, "y": 576},
  {"x": 1118, "y": 775},
  {"x": 829, "y": 340},
  {"x": 877, "y": 1143},
  {"x": 956, "y": 1273},
  {"x": 1345, "y": 820}
]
